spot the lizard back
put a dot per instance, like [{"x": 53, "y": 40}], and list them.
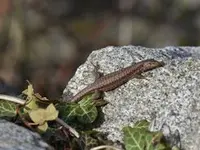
[{"x": 117, "y": 78}]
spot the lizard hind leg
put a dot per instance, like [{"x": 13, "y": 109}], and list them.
[
  {"x": 97, "y": 95},
  {"x": 139, "y": 76}
]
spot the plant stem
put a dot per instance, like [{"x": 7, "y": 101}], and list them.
[
  {"x": 72, "y": 130},
  {"x": 12, "y": 99}
]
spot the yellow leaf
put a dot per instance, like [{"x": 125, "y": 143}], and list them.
[
  {"x": 25, "y": 91},
  {"x": 41, "y": 115},
  {"x": 31, "y": 105},
  {"x": 29, "y": 91},
  {"x": 52, "y": 112},
  {"x": 38, "y": 115},
  {"x": 43, "y": 127}
]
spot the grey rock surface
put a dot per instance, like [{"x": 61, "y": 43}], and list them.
[
  {"x": 13, "y": 137},
  {"x": 169, "y": 97}
]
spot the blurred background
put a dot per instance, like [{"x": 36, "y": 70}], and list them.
[{"x": 44, "y": 41}]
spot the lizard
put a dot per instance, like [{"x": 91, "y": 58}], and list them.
[{"x": 115, "y": 79}]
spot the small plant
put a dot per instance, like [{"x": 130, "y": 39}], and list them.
[
  {"x": 139, "y": 137},
  {"x": 63, "y": 124}
]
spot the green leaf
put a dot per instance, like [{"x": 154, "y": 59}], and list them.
[
  {"x": 67, "y": 111},
  {"x": 133, "y": 140},
  {"x": 89, "y": 141},
  {"x": 85, "y": 110},
  {"x": 72, "y": 110},
  {"x": 94, "y": 138},
  {"x": 88, "y": 116},
  {"x": 175, "y": 148},
  {"x": 142, "y": 125},
  {"x": 7, "y": 109},
  {"x": 161, "y": 147},
  {"x": 139, "y": 138}
]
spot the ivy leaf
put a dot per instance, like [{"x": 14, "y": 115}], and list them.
[
  {"x": 43, "y": 127},
  {"x": 31, "y": 100},
  {"x": 89, "y": 141},
  {"x": 51, "y": 113},
  {"x": 38, "y": 116},
  {"x": 87, "y": 112},
  {"x": 31, "y": 105},
  {"x": 94, "y": 138},
  {"x": 161, "y": 146},
  {"x": 139, "y": 138},
  {"x": 67, "y": 111},
  {"x": 133, "y": 140},
  {"x": 84, "y": 111},
  {"x": 7, "y": 109},
  {"x": 29, "y": 91},
  {"x": 72, "y": 110},
  {"x": 41, "y": 115},
  {"x": 175, "y": 148},
  {"x": 141, "y": 125}
]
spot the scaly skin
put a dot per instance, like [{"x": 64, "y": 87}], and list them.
[{"x": 118, "y": 78}]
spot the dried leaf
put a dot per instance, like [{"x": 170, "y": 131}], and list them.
[{"x": 40, "y": 98}]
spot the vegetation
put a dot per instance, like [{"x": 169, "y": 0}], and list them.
[{"x": 71, "y": 125}]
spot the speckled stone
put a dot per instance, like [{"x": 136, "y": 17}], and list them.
[
  {"x": 169, "y": 97},
  {"x": 13, "y": 137}
]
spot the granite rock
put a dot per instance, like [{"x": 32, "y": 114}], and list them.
[
  {"x": 14, "y": 137},
  {"x": 169, "y": 97}
]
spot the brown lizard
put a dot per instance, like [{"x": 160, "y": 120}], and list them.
[{"x": 118, "y": 78}]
